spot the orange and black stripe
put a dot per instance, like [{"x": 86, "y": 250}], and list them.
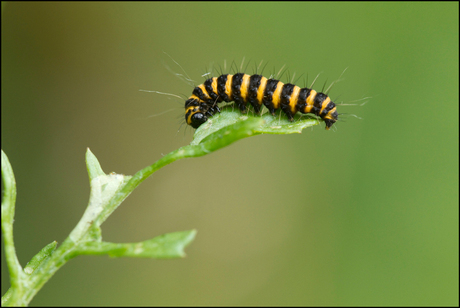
[{"x": 257, "y": 91}]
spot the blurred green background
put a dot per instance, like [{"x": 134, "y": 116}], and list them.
[{"x": 366, "y": 214}]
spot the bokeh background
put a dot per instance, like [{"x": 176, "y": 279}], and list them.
[{"x": 366, "y": 214}]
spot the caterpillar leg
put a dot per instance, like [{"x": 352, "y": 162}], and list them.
[
  {"x": 255, "y": 105},
  {"x": 212, "y": 110},
  {"x": 271, "y": 110},
  {"x": 287, "y": 110},
  {"x": 242, "y": 105}
]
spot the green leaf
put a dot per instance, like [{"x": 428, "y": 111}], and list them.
[
  {"x": 93, "y": 165},
  {"x": 166, "y": 246},
  {"x": 266, "y": 124},
  {"x": 38, "y": 259},
  {"x": 104, "y": 188}
]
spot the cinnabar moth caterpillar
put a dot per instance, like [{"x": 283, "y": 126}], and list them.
[{"x": 256, "y": 90}]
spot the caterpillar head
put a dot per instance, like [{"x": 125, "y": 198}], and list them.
[
  {"x": 197, "y": 119},
  {"x": 194, "y": 113}
]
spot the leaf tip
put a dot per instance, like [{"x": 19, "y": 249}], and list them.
[
  {"x": 187, "y": 239},
  {"x": 93, "y": 165}
]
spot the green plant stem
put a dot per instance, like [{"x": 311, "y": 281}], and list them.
[
  {"x": 70, "y": 247},
  {"x": 8, "y": 209},
  {"x": 184, "y": 152},
  {"x": 21, "y": 296}
]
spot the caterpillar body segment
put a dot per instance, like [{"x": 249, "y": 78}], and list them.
[{"x": 257, "y": 91}]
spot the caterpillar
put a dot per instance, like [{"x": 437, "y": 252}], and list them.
[{"x": 257, "y": 91}]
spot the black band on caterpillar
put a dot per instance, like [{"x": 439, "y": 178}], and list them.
[{"x": 257, "y": 91}]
